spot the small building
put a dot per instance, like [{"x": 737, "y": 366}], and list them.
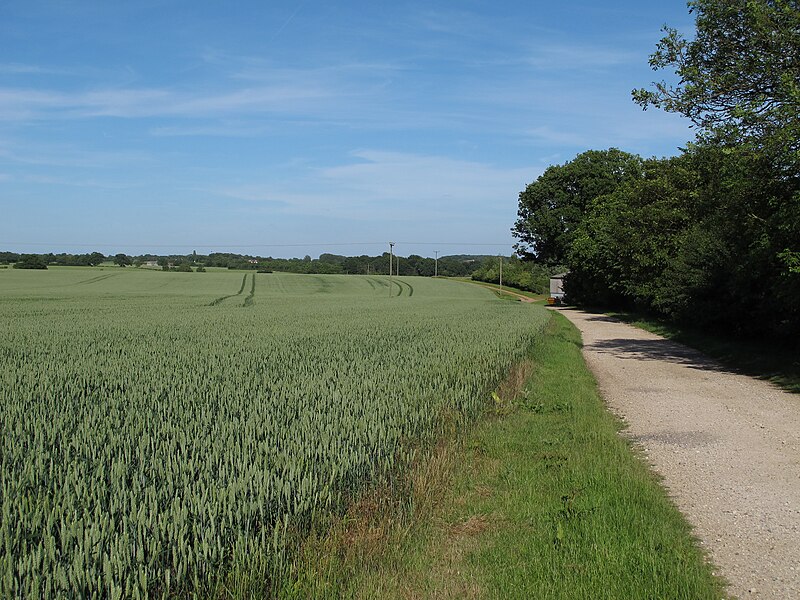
[
  {"x": 150, "y": 263},
  {"x": 556, "y": 289}
]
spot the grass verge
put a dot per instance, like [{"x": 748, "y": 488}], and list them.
[
  {"x": 772, "y": 362},
  {"x": 507, "y": 290},
  {"x": 542, "y": 500}
]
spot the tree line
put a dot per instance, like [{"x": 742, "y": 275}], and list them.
[
  {"x": 415, "y": 265},
  {"x": 516, "y": 272},
  {"x": 711, "y": 237}
]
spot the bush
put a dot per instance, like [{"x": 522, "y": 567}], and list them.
[
  {"x": 522, "y": 275},
  {"x": 30, "y": 261}
]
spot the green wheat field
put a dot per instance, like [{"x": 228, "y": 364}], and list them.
[{"x": 160, "y": 430}]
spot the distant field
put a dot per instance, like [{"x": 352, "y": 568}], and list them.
[{"x": 169, "y": 433}]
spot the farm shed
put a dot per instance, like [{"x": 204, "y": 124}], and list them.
[{"x": 556, "y": 289}]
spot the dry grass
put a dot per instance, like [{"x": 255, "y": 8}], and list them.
[
  {"x": 371, "y": 535},
  {"x": 357, "y": 555},
  {"x": 474, "y": 525},
  {"x": 511, "y": 387}
]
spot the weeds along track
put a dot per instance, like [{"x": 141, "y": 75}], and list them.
[{"x": 239, "y": 293}]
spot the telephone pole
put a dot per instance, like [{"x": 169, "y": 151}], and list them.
[
  {"x": 501, "y": 274},
  {"x": 436, "y": 264},
  {"x": 391, "y": 252}
]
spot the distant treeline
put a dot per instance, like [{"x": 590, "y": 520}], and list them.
[
  {"x": 40, "y": 261},
  {"x": 448, "y": 266},
  {"x": 516, "y": 273}
]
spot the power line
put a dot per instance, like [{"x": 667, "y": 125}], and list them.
[
  {"x": 296, "y": 245},
  {"x": 190, "y": 245}
]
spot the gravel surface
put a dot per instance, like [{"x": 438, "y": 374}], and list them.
[{"x": 727, "y": 446}]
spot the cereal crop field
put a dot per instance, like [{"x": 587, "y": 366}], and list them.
[{"x": 162, "y": 430}]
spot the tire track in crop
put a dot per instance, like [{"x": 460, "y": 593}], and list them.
[
  {"x": 239, "y": 293},
  {"x": 249, "y": 300},
  {"x": 378, "y": 284},
  {"x": 410, "y": 288},
  {"x": 324, "y": 285},
  {"x": 390, "y": 283},
  {"x": 95, "y": 279}
]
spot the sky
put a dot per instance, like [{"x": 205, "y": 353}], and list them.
[{"x": 292, "y": 127}]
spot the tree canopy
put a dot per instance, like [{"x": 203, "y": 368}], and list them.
[
  {"x": 710, "y": 238},
  {"x": 123, "y": 260},
  {"x": 30, "y": 261},
  {"x": 551, "y": 207},
  {"x": 739, "y": 78}
]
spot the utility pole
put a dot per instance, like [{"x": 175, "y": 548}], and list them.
[
  {"x": 391, "y": 252},
  {"x": 501, "y": 274},
  {"x": 436, "y": 264}
]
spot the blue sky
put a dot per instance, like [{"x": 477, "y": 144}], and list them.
[{"x": 296, "y": 127}]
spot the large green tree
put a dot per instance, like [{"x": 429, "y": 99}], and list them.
[
  {"x": 630, "y": 237},
  {"x": 739, "y": 78},
  {"x": 739, "y": 82},
  {"x": 551, "y": 208},
  {"x": 123, "y": 260}
]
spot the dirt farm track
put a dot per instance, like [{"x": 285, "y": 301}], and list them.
[{"x": 727, "y": 446}]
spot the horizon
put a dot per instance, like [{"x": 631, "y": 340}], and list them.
[
  {"x": 111, "y": 255},
  {"x": 300, "y": 125}
]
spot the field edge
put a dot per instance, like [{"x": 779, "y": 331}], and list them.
[{"x": 501, "y": 510}]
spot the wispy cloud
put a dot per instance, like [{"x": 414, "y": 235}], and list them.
[
  {"x": 453, "y": 22},
  {"x": 247, "y": 85},
  {"x": 398, "y": 185},
  {"x": 23, "y": 69},
  {"x": 560, "y": 137},
  {"x": 59, "y": 154},
  {"x": 60, "y": 182},
  {"x": 223, "y": 128},
  {"x": 559, "y": 56},
  {"x": 137, "y": 103}
]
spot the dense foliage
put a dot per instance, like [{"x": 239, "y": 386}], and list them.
[
  {"x": 161, "y": 432},
  {"x": 552, "y": 206},
  {"x": 711, "y": 237},
  {"x": 739, "y": 76},
  {"x": 30, "y": 261},
  {"x": 531, "y": 276}
]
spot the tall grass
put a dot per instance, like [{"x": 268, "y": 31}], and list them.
[{"x": 549, "y": 501}]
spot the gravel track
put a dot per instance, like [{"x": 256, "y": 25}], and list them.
[{"x": 727, "y": 446}]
